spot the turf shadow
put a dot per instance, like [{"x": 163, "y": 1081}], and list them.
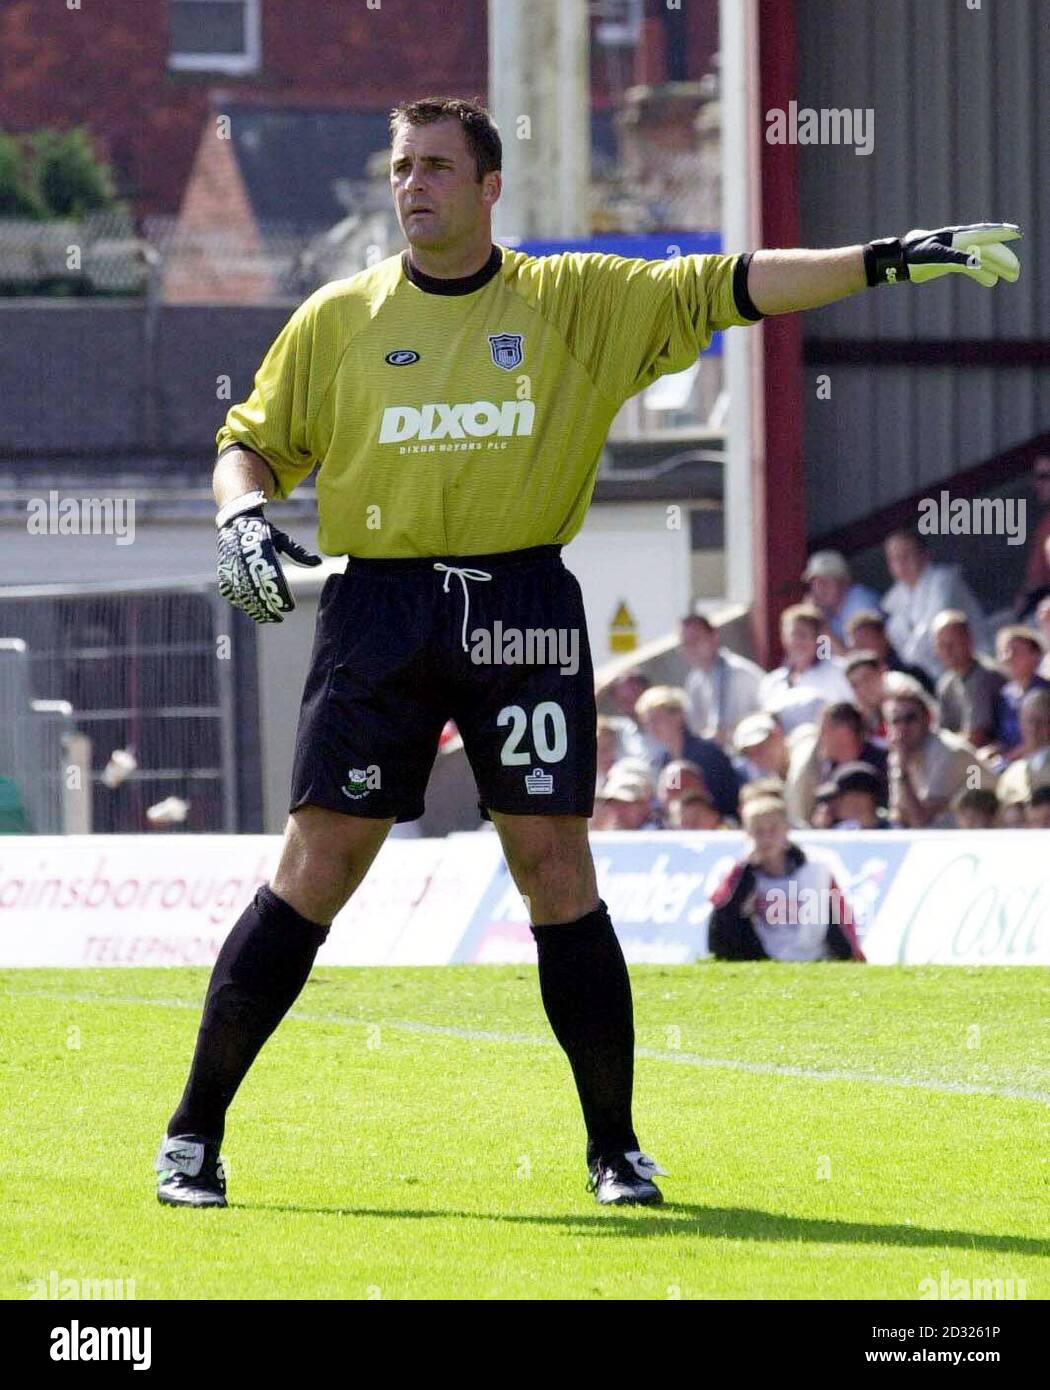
[{"x": 684, "y": 1219}]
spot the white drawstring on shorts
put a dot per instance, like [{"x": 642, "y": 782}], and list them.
[{"x": 462, "y": 575}]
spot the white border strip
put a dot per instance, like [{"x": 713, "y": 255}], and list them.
[{"x": 651, "y": 1054}]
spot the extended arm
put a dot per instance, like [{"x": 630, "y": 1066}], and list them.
[{"x": 780, "y": 282}]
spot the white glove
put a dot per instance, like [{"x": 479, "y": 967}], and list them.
[{"x": 975, "y": 249}]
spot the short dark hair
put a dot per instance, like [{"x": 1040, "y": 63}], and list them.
[
  {"x": 977, "y": 799},
  {"x": 908, "y": 533},
  {"x": 482, "y": 135},
  {"x": 697, "y": 620},
  {"x": 1040, "y": 796},
  {"x": 843, "y": 712}
]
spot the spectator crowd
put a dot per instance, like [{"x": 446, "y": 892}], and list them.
[{"x": 909, "y": 710}]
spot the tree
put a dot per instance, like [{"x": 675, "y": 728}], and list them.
[
  {"x": 18, "y": 196},
  {"x": 71, "y": 179}
]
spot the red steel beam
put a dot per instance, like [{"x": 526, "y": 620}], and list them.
[{"x": 778, "y": 477}]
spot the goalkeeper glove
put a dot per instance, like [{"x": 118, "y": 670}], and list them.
[
  {"x": 975, "y": 249},
  {"x": 250, "y": 574}
]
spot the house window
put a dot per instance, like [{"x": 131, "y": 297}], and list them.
[{"x": 215, "y": 36}]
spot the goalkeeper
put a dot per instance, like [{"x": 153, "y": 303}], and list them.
[{"x": 456, "y": 399}]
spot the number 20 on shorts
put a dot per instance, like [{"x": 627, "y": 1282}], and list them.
[{"x": 549, "y": 734}]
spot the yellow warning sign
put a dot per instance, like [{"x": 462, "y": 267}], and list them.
[{"x": 623, "y": 632}]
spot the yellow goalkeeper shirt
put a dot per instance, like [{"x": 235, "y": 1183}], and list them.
[{"x": 467, "y": 417}]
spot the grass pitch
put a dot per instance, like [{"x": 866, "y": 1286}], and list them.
[{"x": 831, "y": 1132}]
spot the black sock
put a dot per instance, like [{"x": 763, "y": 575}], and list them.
[
  {"x": 259, "y": 973},
  {"x": 586, "y": 992}
]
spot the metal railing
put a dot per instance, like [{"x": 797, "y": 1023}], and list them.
[{"x": 133, "y": 668}]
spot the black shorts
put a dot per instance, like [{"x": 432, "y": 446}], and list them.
[{"x": 497, "y": 643}]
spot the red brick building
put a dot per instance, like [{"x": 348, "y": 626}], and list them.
[{"x": 145, "y": 75}]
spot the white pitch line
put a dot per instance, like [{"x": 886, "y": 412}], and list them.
[{"x": 651, "y": 1054}]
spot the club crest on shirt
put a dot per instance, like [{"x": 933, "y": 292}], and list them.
[{"x": 508, "y": 349}]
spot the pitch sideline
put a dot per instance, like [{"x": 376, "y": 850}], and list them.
[{"x": 651, "y": 1054}]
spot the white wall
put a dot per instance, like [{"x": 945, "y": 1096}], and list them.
[{"x": 626, "y": 551}]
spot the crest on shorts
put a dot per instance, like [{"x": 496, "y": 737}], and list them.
[
  {"x": 507, "y": 349},
  {"x": 360, "y": 781}
]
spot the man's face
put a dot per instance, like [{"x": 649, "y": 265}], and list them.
[
  {"x": 1041, "y": 479},
  {"x": 769, "y": 833},
  {"x": 838, "y": 741},
  {"x": 665, "y": 725},
  {"x": 800, "y": 642},
  {"x": 768, "y": 756},
  {"x": 828, "y": 591},
  {"x": 433, "y": 177},
  {"x": 675, "y": 781},
  {"x": 856, "y": 806},
  {"x": 953, "y": 647},
  {"x": 625, "y": 694},
  {"x": 904, "y": 559},
  {"x": 867, "y": 638},
  {"x": 698, "y": 643},
  {"x": 1018, "y": 659},
  {"x": 867, "y": 686},
  {"x": 907, "y": 724},
  {"x": 628, "y": 815},
  {"x": 694, "y": 815}
]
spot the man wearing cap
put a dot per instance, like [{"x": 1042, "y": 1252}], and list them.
[
  {"x": 829, "y": 586},
  {"x": 761, "y": 748},
  {"x": 967, "y": 690},
  {"x": 858, "y": 796},
  {"x": 625, "y": 802}
]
